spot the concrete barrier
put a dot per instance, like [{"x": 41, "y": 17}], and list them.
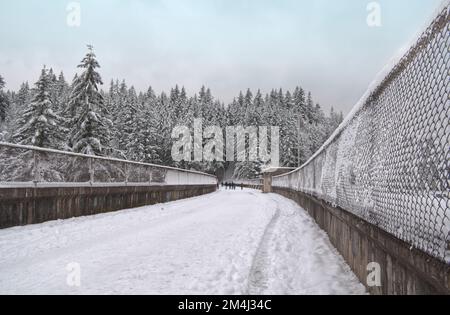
[
  {"x": 22, "y": 206},
  {"x": 403, "y": 270}
]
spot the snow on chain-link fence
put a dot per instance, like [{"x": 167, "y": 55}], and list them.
[
  {"x": 389, "y": 162},
  {"x": 25, "y": 166}
]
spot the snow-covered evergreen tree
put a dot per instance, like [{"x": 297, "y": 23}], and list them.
[
  {"x": 17, "y": 101},
  {"x": 143, "y": 146},
  {"x": 4, "y": 102},
  {"x": 131, "y": 124},
  {"x": 61, "y": 92},
  {"x": 310, "y": 108},
  {"x": 90, "y": 125},
  {"x": 38, "y": 124},
  {"x": 23, "y": 96},
  {"x": 247, "y": 170},
  {"x": 126, "y": 123},
  {"x": 333, "y": 121},
  {"x": 299, "y": 102}
]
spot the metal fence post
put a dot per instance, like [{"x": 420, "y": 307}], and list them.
[
  {"x": 91, "y": 172},
  {"x": 36, "y": 168}
]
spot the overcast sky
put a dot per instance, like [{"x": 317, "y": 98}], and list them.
[{"x": 326, "y": 46}]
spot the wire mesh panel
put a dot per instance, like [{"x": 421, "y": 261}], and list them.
[
  {"x": 158, "y": 175},
  {"x": 389, "y": 163},
  {"x": 54, "y": 167},
  {"x": 138, "y": 173},
  {"x": 105, "y": 171},
  {"x": 16, "y": 165}
]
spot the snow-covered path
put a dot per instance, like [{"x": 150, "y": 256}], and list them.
[{"x": 228, "y": 242}]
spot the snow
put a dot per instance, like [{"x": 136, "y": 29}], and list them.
[{"x": 228, "y": 242}]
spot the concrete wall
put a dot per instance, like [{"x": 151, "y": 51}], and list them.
[
  {"x": 21, "y": 206},
  {"x": 403, "y": 270}
]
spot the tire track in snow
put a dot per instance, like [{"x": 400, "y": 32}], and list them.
[
  {"x": 258, "y": 277},
  {"x": 295, "y": 256}
]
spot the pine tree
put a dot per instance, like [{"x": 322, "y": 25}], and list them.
[
  {"x": 38, "y": 124},
  {"x": 288, "y": 101},
  {"x": 150, "y": 98},
  {"x": 310, "y": 108},
  {"x": 142, "y": 122},
  {"x": 17, "y": 101},
  {"x": 248, "y": 100},
  {"x": 247, "y": 170},
  {"x": 129, "y": 126},
  {"x": 113, "y": 104},
  {"x": 144, "y": 145},
  {"x": 62, "y": 93},
  {"x": 23, "y": 96},
  {"x": 333, "y": 121},
  {"x": 4, "y": 102},
  {"x": 289, "y": 133},
  {"x": 253, "y": 113},
  {"x": 90, "y": 126}
]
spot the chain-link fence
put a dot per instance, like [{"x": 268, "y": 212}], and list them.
[
  {"x": 36, "y": 167},
  {"x": 389, "y": 162}
]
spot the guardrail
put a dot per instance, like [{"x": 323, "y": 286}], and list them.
[
  {"x": 389, "y": 162},
  {"x": 27, "y": 166}
]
